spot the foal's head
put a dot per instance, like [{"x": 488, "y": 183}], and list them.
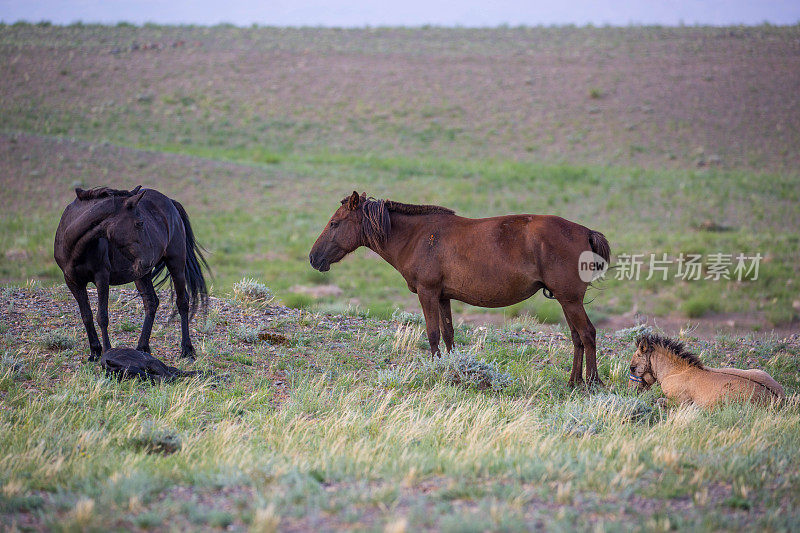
[
  {"x": 343, "y": 233},
  {"x": 641, "y": 376}
]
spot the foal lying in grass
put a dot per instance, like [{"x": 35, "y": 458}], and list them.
[{"x": 684, "y": 377}]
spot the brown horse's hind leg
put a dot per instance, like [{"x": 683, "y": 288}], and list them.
[
  {"x": 150, "y": 301},
  {"x": 446, "y": 323},
  {"x": 430, "y": 308},
  {"x": 579, "y": 321},
  {"x": 576, "y": 376}
]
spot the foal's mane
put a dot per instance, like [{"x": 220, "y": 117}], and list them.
[
  {"x": 377, "y": 223},
  {"x": 672, "y": 346},
  {"x": 103, "y": 192}
]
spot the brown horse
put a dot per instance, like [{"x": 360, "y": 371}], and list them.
[{"x": 489, "y": 262}]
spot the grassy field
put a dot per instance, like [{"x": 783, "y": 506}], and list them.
[
  {"x": 346, "y": 423},
  {"x": 260, "y": 132},
  {"x": 326, "y": 413}
]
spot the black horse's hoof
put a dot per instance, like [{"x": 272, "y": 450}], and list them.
[
  {"x": 188, "y": 353},
  {"x": 93, "y": 358},
  {"x": 145, "y": 348}
]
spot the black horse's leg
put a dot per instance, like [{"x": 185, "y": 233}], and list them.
[
  {"x": 101, "y": 281},
  {"x": 81, "y": 296},
  {"x": 430, "y": 308},
  {"x": 446, "y": 323},
  {"x": 178, "y": 274},
  {"x": 150, "y": 300}
]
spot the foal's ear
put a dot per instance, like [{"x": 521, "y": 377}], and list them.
[
  {"x": 131, "y": 202},
  {"x": 353, "y": 201},
  {"x": 644, "y": 346}
]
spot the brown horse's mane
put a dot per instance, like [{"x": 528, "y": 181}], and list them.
[
  {"x": 103, "y": 192},
  {"x": 674, "y": 347},
  {"x": 377, "y": 223},
  {"x": 414, "y": 209}
]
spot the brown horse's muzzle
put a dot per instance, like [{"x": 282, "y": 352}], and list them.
[
  {"x": 318, "y": 263},
  {"x": 324, "y": 254}
]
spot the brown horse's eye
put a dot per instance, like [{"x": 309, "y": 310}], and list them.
[{"x": 334, "y": 224}]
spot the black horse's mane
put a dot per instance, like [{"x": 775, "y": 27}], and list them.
[
  {"x": 377, "y": 223},
  {"x": 675, "y": 347},
  {"x": 103, "y": 192}
]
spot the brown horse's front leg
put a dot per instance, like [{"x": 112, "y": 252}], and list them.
[
  {"x": 430, "y": 308},
  {"x": 446, "y": 323}
]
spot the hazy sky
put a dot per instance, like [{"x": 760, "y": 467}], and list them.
[{"x": 406, "y": 12}]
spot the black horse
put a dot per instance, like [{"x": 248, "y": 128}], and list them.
[{"x": 112, "y": 237}]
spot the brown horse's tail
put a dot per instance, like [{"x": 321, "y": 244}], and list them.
[{"x": 600, "y": 245}]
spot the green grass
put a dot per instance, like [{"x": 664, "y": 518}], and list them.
[
  {"x": 266, "y": 233},
  {"x": 340, "y": 420},
  {"x": 259, "y": 215},
  {"x": 386, "y": 437}
]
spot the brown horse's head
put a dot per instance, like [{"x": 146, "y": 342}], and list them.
[
  {"x": 641, "y": 376},
  {"x": 343, "y": 233}
]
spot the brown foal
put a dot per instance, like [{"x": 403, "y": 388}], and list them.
[{"x": 488, "y": 262}]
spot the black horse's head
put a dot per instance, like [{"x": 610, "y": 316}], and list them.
[
  {"x": 343, "y": 234},
  {"x": 127, "y": 231}
]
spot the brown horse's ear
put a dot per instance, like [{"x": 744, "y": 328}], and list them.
[
  {"x": 131, "y": 202},
  {"x": 352, "y": 202},
  {"x": 136, "y": 190},
  {"x": 79, "y": 193}
]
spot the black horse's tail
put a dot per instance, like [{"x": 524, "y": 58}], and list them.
[
  {"x": 195, "y": 264},
  {"x": 600, "y": 245}
]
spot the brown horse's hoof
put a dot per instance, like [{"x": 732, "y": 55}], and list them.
[
  {"x": 596, "y": 384},
  {"x": 573, "y": 383}
]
